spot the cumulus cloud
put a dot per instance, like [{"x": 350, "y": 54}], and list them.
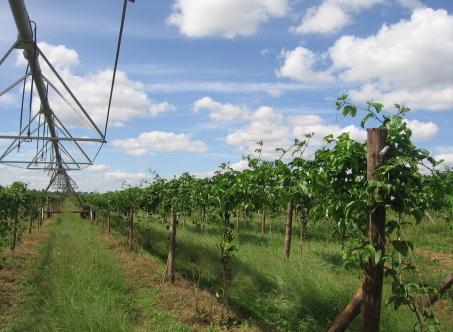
[
  {"x": 304, "y": 120},
  {"x": 152, "y": 141},
  {"x": 240, "y": 165},
  {"x": 422, "y": 131},
  {"x": 331, "y": 16},
  {"x": 94, "y": 178},
  {"x": 321, "y": 130},
  {"x": 267, "y": 126},
  {"x": 446, "y": 157},
  {"x": 130, "y": 99},
  {"x": 97, "y": 168},
  {"x": 224, "y": 18},
  {"x": 220, "y": 112},
  {"x": 59, "y": 56},
  {"x": 299, "y": 64},
  {"x": 156, "y": 109},
  {"x": 275, "y": 131},
  {"x": 396, "y": 64},
  {"x": 426, "y": 98}
]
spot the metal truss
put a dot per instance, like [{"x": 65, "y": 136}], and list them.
[{"x": 56, "y": 147}]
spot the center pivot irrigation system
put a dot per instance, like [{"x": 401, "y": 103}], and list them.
[{"x": 55, "y": 150}]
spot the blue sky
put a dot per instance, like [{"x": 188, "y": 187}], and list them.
[{"x": 202, "y": 81}]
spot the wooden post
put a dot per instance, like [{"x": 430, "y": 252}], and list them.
[
  {"x": 374, "y": 274},
  {"x": 352, "y": 310},
  {"x": 288, "y": 229},
  {"x": 14, "y": 239},
  {"x": 131, "y": 228},
  {"x": 170, "y": 272},
  {"x": 108, "y": 221},
  {"x": 237, "y": 219},
  {"x": 48, "y": 208},
  {"x": 263, "y": 221}
]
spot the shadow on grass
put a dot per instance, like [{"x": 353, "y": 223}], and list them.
[{"x": 252, "y": 292}]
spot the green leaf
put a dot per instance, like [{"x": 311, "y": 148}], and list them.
[
  {"x": 390, "y": 226},
  {"x": 402, "y": 246},
  {"x": 377, "y": 106},
  {"x": 365, "y": 119},
  {"x": 350, "y": 110}
]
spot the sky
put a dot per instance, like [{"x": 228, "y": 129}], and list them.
[{"x": 200, "y": 82}]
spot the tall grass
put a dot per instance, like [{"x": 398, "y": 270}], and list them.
[
  {"x": 79, "y": 287},
  {"x": 302, "y": 294}
]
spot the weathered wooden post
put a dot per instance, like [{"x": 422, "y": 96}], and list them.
[
  {"x": 131, "y": 228},
  {"x": 108, "y": 221},
  {"x": 288, "y": 229},
  {"x": 170, "y": 272},
  {"x": 374, "y": 273}
]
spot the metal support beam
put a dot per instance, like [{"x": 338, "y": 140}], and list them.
[
  {"x": 14, "y": 84},
  {"x": 23, "y": 25},
  {"x": 50, "y": 138}
]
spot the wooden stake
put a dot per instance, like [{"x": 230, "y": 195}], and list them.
[
  {"x": 446, "y": 284},
  {"x": 374, "y": 274},
  {"x": 349, "y": 313},
  {"x": 170, "y": 272},
  {"x": 288, "y": 229},
  {"x": 131, "y": 227}
]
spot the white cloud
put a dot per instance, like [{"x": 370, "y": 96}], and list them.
[
  {"x": 130, "y": 99},
  {"x": 326, "y": 18},
  {"x": 299, "y": 64},
  {"x": 220, "y": 112},
  {"x": 267, "y": 126},
  {"x": 149, "y": 142},
  {"x": 124, "y": 176},
  {"x": 59, "y": 56},
  {"x": 274, "y": 89},
  {"x": 423, "y": 98},
  {"x": 304, "y": 120},
  {"x": 276, "y": 131},
  {"x": 156, "y": 109},
  {"x": 446, "y": 157},
  {"x": 331, "y": 16},
  {"x": 96, "y": 177},
  {"x": 397, "y": 64},
  {"x": 412, "y": 4},
  {"x": 97, "y": 168},
  {"x": 422, "y": 131},
  {"x": 240, "y": 165},
  {"x": 322, "y": 130},
  {"x": 224, "y": 18}
]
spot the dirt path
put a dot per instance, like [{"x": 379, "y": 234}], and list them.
[
  {"x": 15, "y": 269},
  {"x": 444, "y": 259}
]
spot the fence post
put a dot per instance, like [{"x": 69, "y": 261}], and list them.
[{"x": 374, "y": 274}]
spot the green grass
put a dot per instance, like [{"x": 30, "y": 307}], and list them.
[
  {"x": 304, "y": 294},
  {"x": 77, "y": 286}
]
